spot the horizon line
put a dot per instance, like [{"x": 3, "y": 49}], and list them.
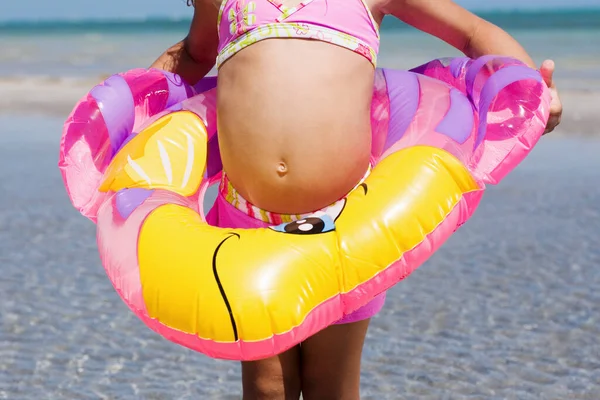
[{"x": 150, "y": 18}]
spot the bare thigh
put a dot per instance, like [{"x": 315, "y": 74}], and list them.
[
  {"x": 331, "y": 362},
  {"x": 275, "y": 378}
]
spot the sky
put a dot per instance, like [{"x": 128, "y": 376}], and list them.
[{"x": 140, "y": 9}]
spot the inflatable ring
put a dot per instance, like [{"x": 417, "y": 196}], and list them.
[{"x": 139, "y": 152}]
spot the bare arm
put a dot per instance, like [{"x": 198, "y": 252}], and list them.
[
  {"x": 194, "y": 56},
  {"x": 457, "y": 26}
]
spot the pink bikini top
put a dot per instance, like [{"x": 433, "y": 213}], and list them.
[{"x": 346, "y": 23}]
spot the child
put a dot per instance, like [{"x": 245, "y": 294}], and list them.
[{"x": 283, "y": 106}]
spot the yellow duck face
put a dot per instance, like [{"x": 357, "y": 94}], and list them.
[{"x": 227, "y": 285}]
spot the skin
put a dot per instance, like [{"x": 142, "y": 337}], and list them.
[{"x": 270, "y": 156}]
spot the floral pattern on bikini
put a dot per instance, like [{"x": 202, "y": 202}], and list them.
[
  {"x": 302, "y": 29},
  {"x": 290, "y": 30},
  {"x": 322, "y": 37},
  {"x": 363, "y": 50},
  {"x": 241, "y": 17}
]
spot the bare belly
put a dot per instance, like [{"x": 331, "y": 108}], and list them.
[{"x": 294, "y": 123}]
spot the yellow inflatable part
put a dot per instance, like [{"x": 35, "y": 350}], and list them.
[
  {"x": 178, "y": 140},
  {"x": 183, "y": 273}
]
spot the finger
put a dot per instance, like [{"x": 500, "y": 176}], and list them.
[
  {"x": 553, "y": 122},
  {"x": 547, "y": 70},
  {"x": 555, "y": 104}
]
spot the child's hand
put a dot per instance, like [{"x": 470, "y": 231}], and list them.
[{"x": 547, "y": 69}]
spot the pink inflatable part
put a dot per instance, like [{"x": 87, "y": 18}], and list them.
[
  {"x": 108, "y": 116},
  {"x": 511, "y": 101},
  {"x": 488, "y": 113}
]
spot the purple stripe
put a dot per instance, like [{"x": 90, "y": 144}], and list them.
[
  {"x": 190, "y": 92},
  {"x": 127, "y": 200},
  {"x": 495, "y": 84},
  {"x": 457, "y": 64},
  {"x": 206, "y": 84},
  {"x": 213, "y": 158},
  {"x": 175, "y": 107},
  {"x": 458, "y": 121},
  {"x": 115, "y": 101},
  {"x": 473, "y": 71},
  {"x": 404, "y": 93},
  {"x": 178, "y": 89},
  {"x": 476, "y": 66},
  {"x": 423, "y": 68}
]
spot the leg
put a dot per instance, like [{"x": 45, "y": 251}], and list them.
[
  {"x": 275, "y": 378},
  {"x": 331, "y": 362}
]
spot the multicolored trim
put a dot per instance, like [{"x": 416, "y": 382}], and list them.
[
  {"x": 235, "y": 199},
  {"x": 299, "y": 31}
]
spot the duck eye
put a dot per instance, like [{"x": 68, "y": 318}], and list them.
[
  {"x": 320, "y": 222},
  {"x": 307, "y": 226}
]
